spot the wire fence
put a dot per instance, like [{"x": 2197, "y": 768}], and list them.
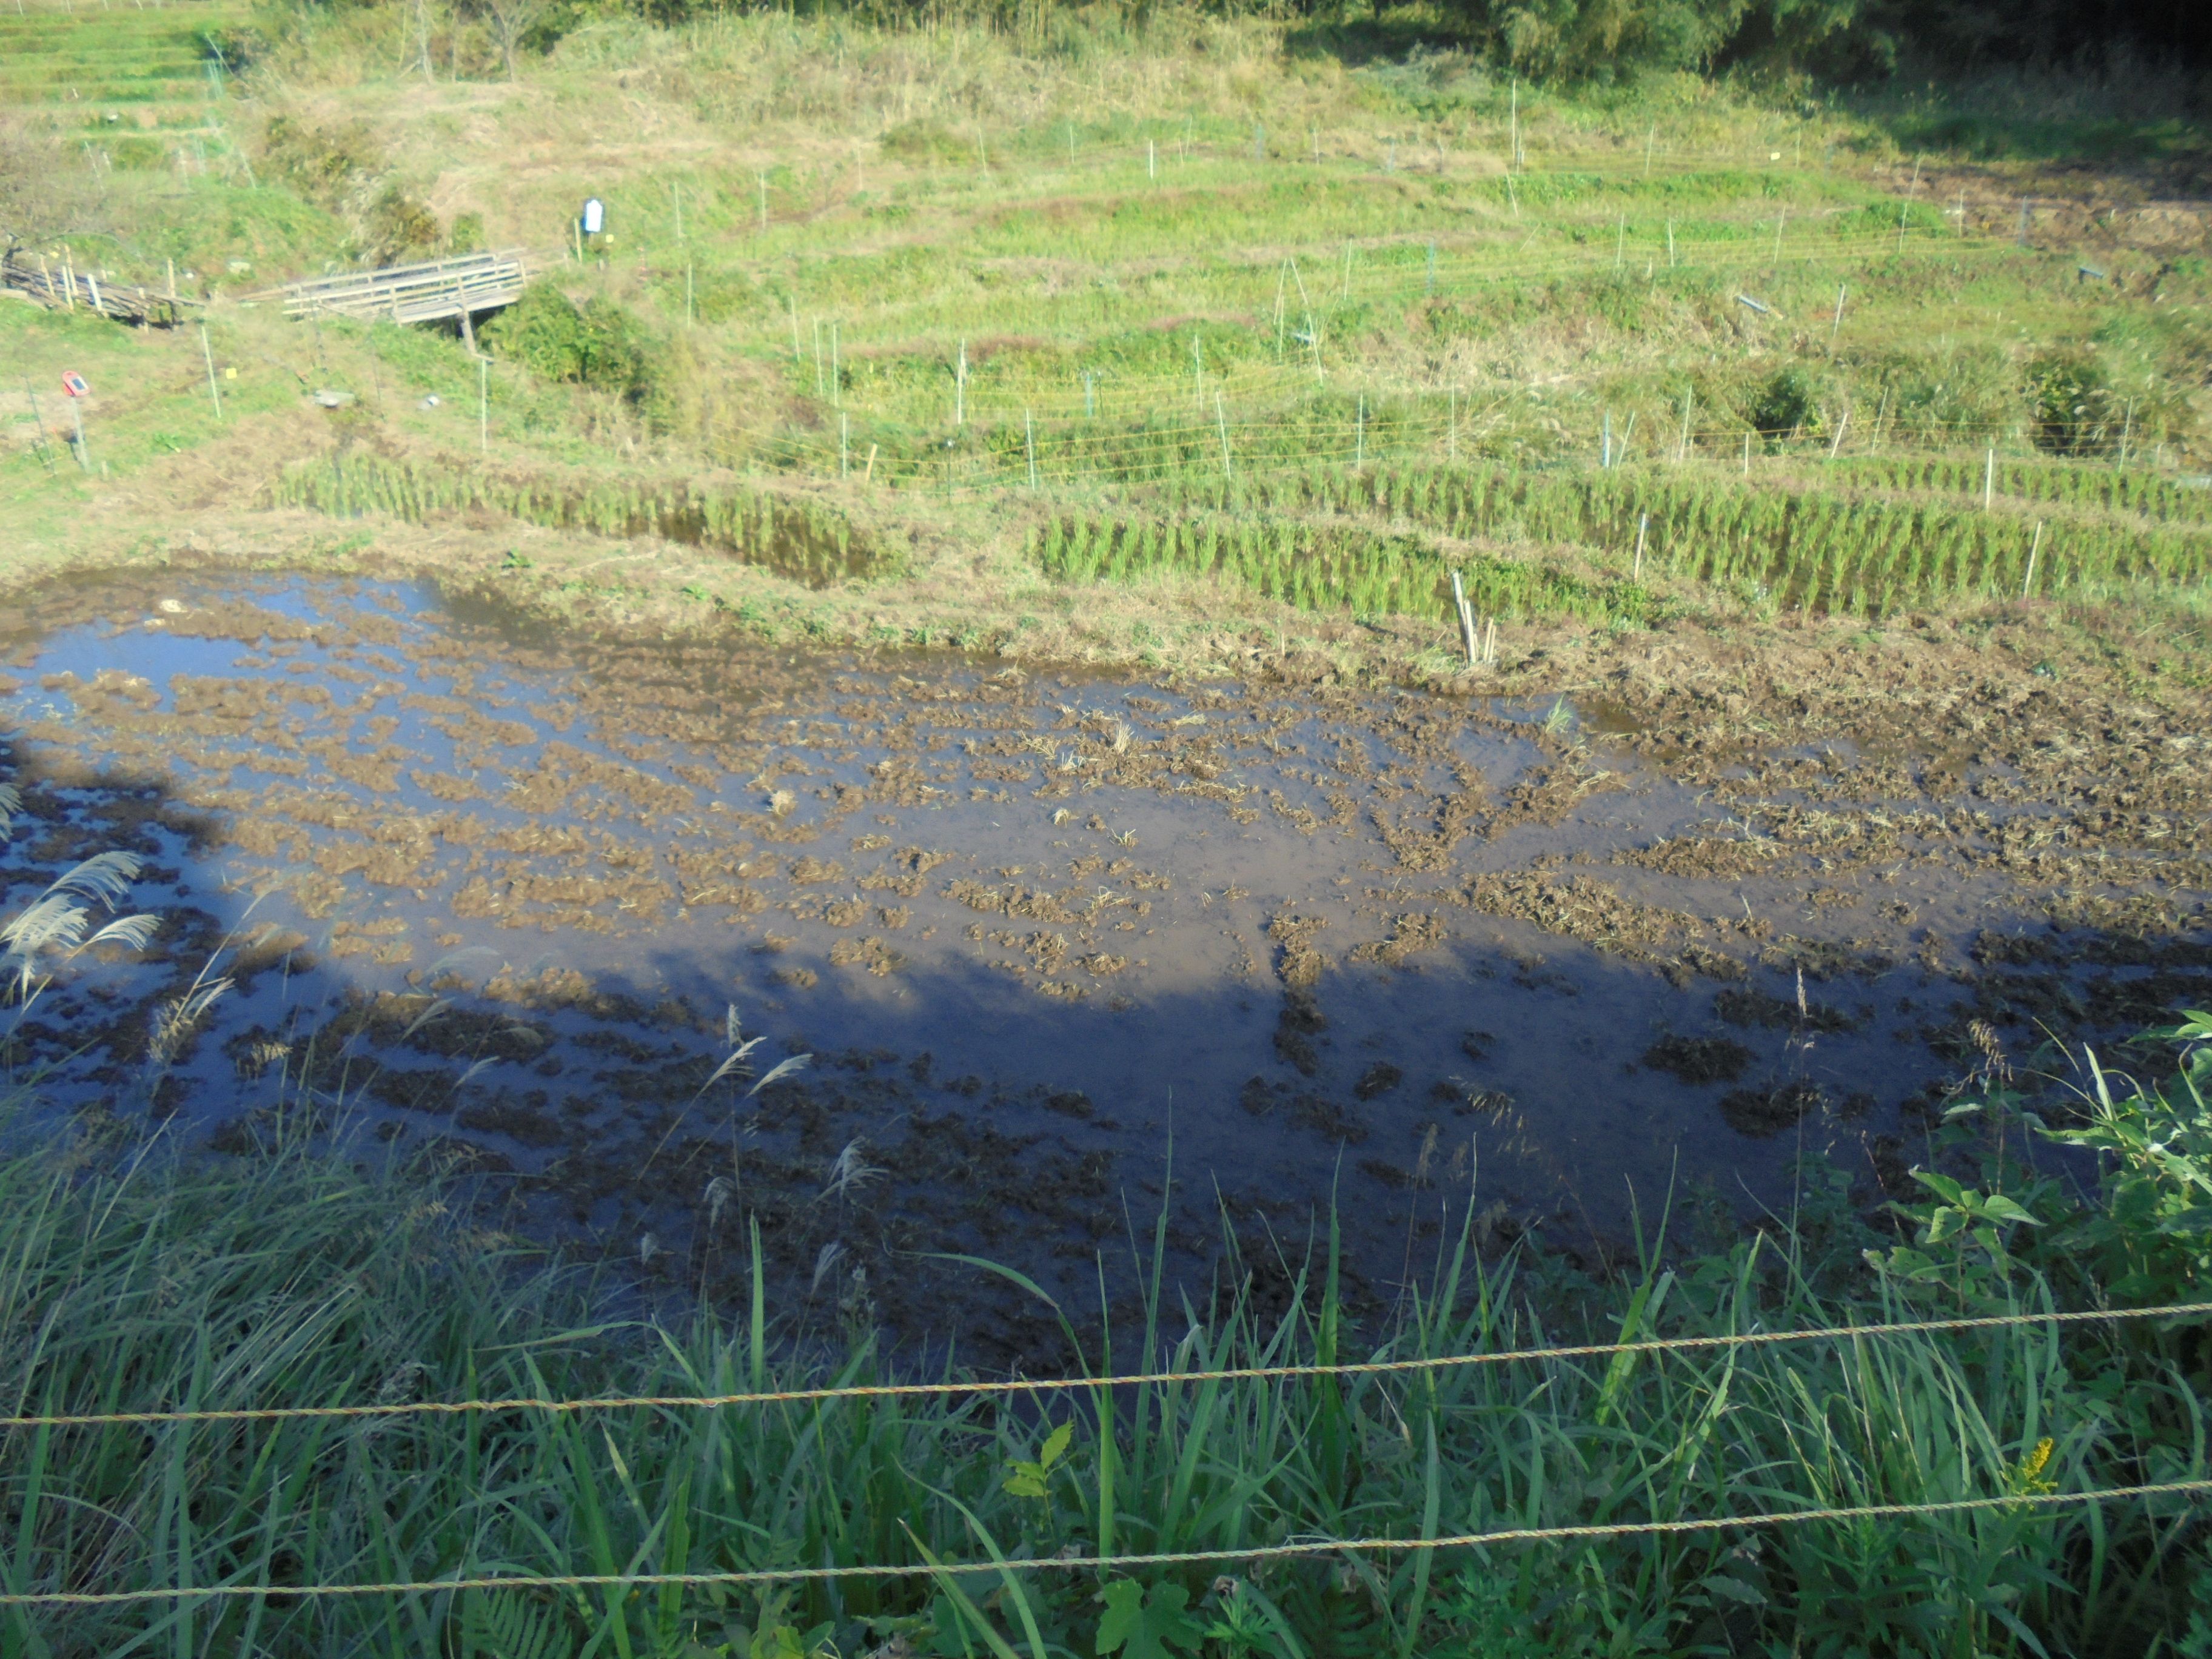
[
  {"x": 1020, "y": 1385},
  {"x": 1306, "y": 1547}
]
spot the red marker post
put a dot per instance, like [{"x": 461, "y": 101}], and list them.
[{"x": 73, "y": 385}]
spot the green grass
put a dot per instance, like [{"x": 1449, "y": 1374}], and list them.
[
  {"x": 1190, "y": 270},
  {"x": 1809, "y": 548},
  {"x": 290, "y": 1276},
  {"x": 798, "y": 538}
]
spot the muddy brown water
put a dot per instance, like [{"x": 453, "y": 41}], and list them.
[{"x": 1046, "y": 937}]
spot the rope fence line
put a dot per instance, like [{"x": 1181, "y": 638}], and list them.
[
  {"x": 1020, "y": 1385},
  {"x": 1103, "y": 1563}
]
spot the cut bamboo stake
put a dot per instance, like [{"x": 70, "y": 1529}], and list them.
[
  {"x": 45, "y": 443},
  {"x": 1221, "y": 424},
  {"x": 1841, "y": 426},
  {"x": 207, "y": 352},
  {"x": 1989, "y": 482},
  {"x": 2034, "y": 547},
  {"x": 1490, "y": 644},
  {"x": 1683, "y": 450},
  {"x": 868, "y": 472},
  {"x": 1643, "y": 529},
  {"x": 1905, "y": 205},
  {"x": 1835, "y": 327},
  {"x": 1467, "y": 634}
]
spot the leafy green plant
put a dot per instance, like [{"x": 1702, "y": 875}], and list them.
[
  {"x": 599, "y": 345},
  {"x": 2150, "y": 1240},
  {"x": 1030, "y": 1478},
  {"x": 1141, "y": 1624}
]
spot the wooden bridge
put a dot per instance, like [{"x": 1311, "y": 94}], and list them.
[
  {"x": 63, "y": 288},
  {"x": 426, "y": 293}
]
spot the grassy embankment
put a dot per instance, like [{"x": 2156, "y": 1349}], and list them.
[
  {"x": 133, "y": 1282},
  {"x": 978, "y": 298}
]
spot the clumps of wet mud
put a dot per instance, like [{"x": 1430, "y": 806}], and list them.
[
  {"x": 1699, "y": 1060},
  {"x": 1771, "y": 1108},
  {"x": 1299, "y": 963},
  {"x": 1748, "y": 1008}
]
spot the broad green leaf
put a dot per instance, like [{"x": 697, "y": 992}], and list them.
[{"x": 1142, "y": 1627}]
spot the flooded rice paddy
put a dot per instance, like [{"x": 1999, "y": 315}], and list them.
[{"x": 1045, "y": 937}]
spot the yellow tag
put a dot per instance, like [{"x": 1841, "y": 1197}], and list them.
[{"x": 230, "y": 374}]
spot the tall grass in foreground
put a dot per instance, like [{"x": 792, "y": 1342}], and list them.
[{"x": 300, "y": 1278}]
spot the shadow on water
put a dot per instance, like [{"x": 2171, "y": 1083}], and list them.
[{"x": 515, "y": 897}]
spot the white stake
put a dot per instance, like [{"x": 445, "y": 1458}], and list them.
[
  {"x": 2034, "y": 547},
  {"x": 1989, "y": 482},
  {"x": 215, "y": 392}
]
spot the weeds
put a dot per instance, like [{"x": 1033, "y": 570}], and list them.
[{"x": 210, "y": 1285}]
